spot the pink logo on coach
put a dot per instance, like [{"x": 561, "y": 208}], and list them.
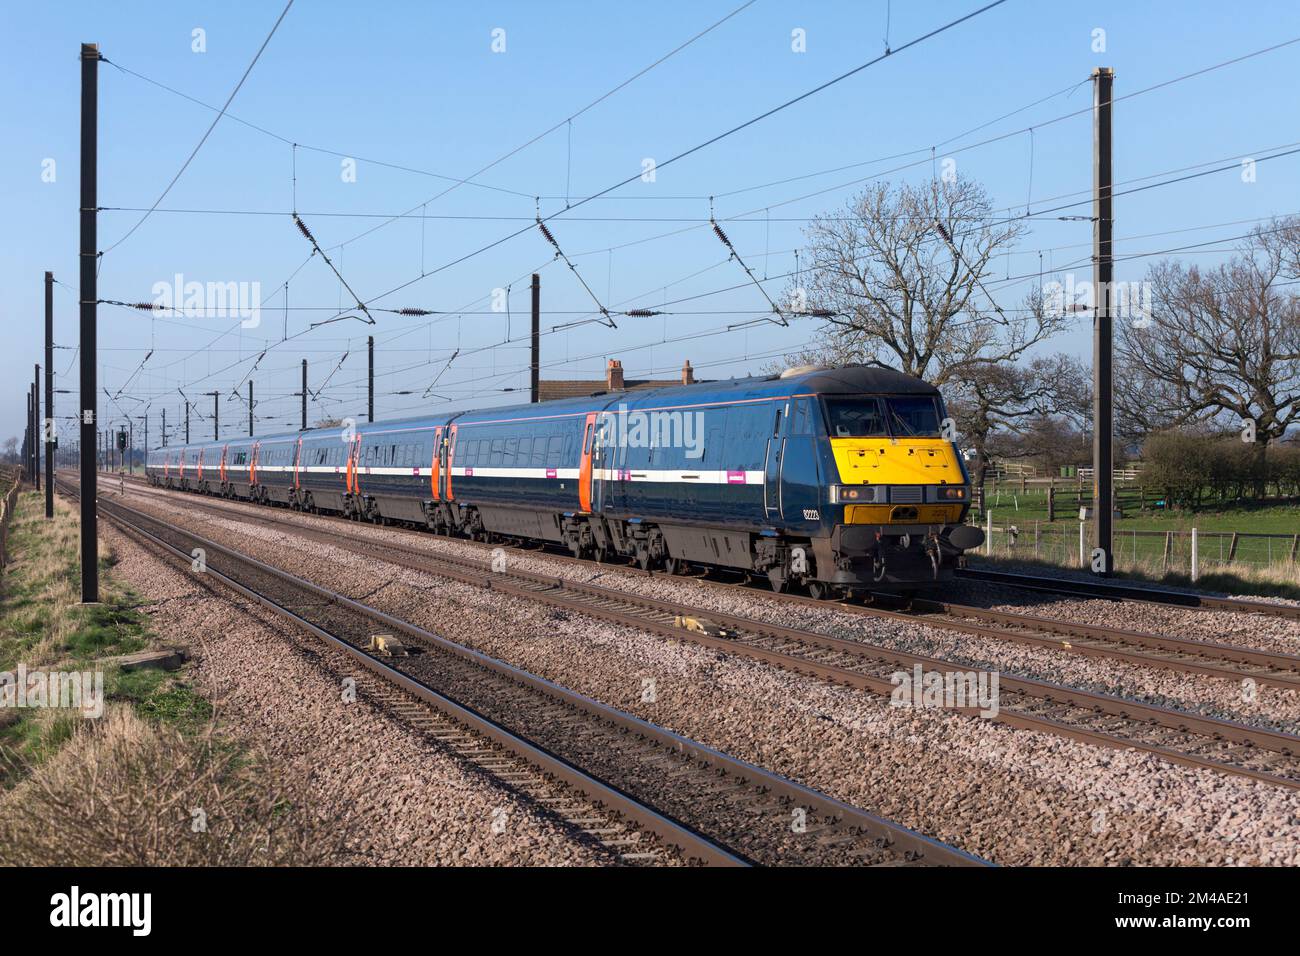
[
  {"x": 735, "y": 477},
  {"x": 551, "y": 473},
  {"x": 469, "y": 472}
]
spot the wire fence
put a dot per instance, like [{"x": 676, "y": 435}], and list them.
[
  {"x": 10, "y": 479},
  {"x": 1166, "y": 551}
]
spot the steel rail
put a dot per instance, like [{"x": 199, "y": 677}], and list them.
[
  {"x": 1179, "y": 654},
  {"x": 1129, "y": 592},
  {"x": 1238, "y": 742},
  {"x": 913, "y": 845}
]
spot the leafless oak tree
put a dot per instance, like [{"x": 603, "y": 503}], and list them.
[
  {"x": 902, "y": 279},
  {"x": 1221, "y": 345},
  {"x": 1018, "y": 399},
  {"x": 895, "y": 292}
]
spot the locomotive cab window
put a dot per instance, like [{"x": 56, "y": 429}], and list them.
[
  {"x": 913, "y": 416},
  {"x": 897, "y": 416},
  {"x": 859, "y": 417}
]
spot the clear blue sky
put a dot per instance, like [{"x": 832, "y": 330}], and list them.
[{"x": 418, "y": 85}]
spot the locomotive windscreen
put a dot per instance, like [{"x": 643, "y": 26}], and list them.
[{"x": 898, "y": 416}]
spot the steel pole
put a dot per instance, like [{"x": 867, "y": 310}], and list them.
[
  {"x": 89, "y": 294},
  {"x": 48, "y": 425},
  {"x": 535, "y": 362},
  {"x": 1103, "y": 373}
]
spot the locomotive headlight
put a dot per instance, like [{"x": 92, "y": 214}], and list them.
[
  {"x": 852, "y": 494},
  {"x": 951, "y": 493}
]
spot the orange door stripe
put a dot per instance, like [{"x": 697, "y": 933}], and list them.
[
  {"x": 451, "y": 454},
  {"x": 584, "y": 470},
  {"x": 433, "y": 467}
]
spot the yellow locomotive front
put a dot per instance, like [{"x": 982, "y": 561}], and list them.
[{"x": 899, "y": 490}]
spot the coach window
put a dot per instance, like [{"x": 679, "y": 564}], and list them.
[
  {"x": 497, "y": 446},
  {"x": 512, "y": 446}
]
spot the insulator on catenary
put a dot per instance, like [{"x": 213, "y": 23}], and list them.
[
  {"x": 722, "y": 235},
  {"x": 547, "y": 233},
  {"x": 943, "y": 232},
  {"x": 302, "y": 227},
  {"x": 412, "y": 311},
  {"x": 641, "y": 313}
]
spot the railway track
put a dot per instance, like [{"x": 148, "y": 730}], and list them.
[
  {"x": 1126, "y": 592},
  {"x": 1099, "y": 719},
  {"x": 1165, "y": 652},
  {"x": 621, "y": 775}
]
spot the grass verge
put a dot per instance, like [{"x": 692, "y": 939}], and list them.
[{"x": 153, "y": 781}]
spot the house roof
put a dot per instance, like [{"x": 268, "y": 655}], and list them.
[{"x": 580, "y": 388}]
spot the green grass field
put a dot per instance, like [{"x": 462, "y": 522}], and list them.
[{"x": 1009, "y": 505}]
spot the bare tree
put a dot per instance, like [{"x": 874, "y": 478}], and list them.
[
  {"x": 1017, "y": 399},
  {"x": 899, "y": 278},
  {"x": 11, "y": 449},
  {"x": 1221, "y": 346}
]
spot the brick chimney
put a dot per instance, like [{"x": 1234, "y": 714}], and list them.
[
  {"x": 614, "y": 376},
  {"x": 688, "y": 373}
]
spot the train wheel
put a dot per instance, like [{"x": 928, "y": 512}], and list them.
[
  {"x": 777, "y": 579},
  {"x": 672, "y": 566},
  {"x": 819, "y": 590}
]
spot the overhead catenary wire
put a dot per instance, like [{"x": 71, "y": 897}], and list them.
[
  {"x": 726, "y": 241},
  {"x": 579, "y": 112},
  {"x": 683, "y": 154},
  {"x": 572, "y": 116},
  {"x": 550, "y": 237},
  {"x": 433, "y": 312},
  {"x": 1126, "y": 96},
  {"x": 204, "y": 138}
]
